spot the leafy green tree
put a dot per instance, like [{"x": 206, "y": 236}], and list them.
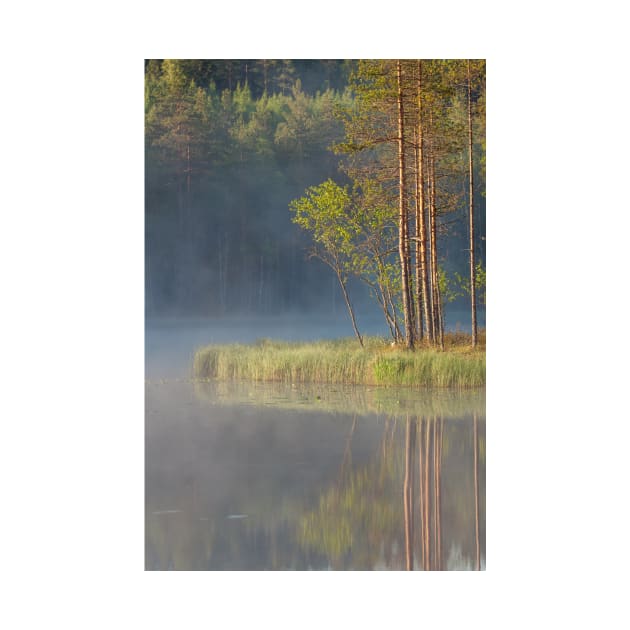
[
  {"x": 374, "y": 259},
  {"x": 354, "y": 233},
  {"x": 325, "y": 212}
]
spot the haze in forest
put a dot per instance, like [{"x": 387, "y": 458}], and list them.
[{"x": 229, "y": 145}]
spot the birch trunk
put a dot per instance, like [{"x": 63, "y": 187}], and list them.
[{"x": 346, "y": 297}]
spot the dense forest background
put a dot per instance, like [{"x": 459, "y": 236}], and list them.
[{"x": 229, "y": 144}]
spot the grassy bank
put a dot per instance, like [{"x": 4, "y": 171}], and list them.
[{"x": 343, "y": 361}]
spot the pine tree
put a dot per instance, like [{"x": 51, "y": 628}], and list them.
[{"x": 403, "y": 241}]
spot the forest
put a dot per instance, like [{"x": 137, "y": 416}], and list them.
[{"x": 374, "y": 168}]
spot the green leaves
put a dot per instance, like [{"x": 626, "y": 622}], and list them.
[
  {"x": 463, "y": 283},
  {"x": 325, "y": 210}
]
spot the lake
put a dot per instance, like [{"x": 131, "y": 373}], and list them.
[{"x": 246, "y": 476}]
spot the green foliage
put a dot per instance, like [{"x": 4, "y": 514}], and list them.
[
  {"x": 371, "y": 161},
  {"x": 449, "y": 291},
  {"x": 480, "y": 281},
  {"x": 463, "y": 283},
  {"x": 232, "y": 123},
  {"x": 354, "y": 233},
  {"x": 225, "y": 136},
  {"x": 325, "y": 212}
]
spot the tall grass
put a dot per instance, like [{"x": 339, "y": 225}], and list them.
[{"x": 342, "y": 361}]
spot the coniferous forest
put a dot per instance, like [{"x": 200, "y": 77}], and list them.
[{"x": 314, "y": 185}]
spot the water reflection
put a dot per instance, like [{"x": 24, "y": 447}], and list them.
[
  {"x": 361, "y": 523},
  {"x": 265, "y": 486}
]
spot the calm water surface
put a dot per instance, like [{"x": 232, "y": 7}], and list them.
[{"x": 271, "y": 477}]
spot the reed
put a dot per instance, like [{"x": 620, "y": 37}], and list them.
[{"x": 343, "y": 361}]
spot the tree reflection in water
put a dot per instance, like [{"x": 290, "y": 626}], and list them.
[
  {"x": 357, "y": 524},
  {"x": 320, "y": 489}
]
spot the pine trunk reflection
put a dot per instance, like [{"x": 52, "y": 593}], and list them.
[
  {"x": 274, "y": 489},
  {"x": 408, "y": 492},
  {"x": 476, "y": 482}
]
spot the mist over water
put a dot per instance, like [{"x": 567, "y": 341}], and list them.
[
  {"x": 170, "y": 343},
  {"x": 256, "y": 476},
  {"x": 241, "y": 485},
  {"x": 250, "y": 476}
]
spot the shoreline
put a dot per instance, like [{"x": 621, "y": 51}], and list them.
[{"x": 344, "y": 362}]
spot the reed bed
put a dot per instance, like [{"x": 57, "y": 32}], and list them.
[{"x": 343, "y": 361}]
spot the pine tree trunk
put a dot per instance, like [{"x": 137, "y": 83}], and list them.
[
  {"x": 417, "y": 275},
  {"x": 409, "y": 233},
  {"x": 402, "y": 219},
  {"x": 430, "y": 277},
  {"x": 473, "y": 301},
  {"x": 437, "y": 332},
  {"x": 422, "y": 285}
]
